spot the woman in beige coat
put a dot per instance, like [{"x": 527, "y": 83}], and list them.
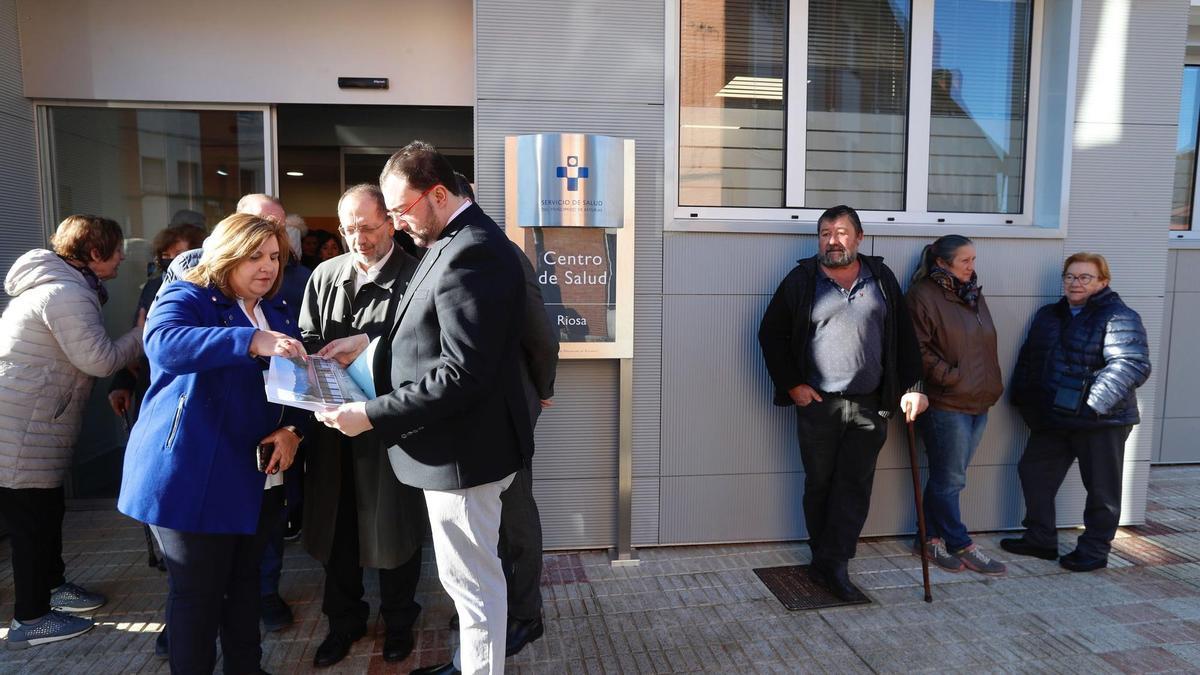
[{"x": 52, "y": 346}]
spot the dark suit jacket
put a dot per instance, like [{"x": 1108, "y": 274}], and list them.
[
  {"x": 539, "y": 343},
  {"x": 455, "y": 414},
  {"x": 389, "y": 514}
]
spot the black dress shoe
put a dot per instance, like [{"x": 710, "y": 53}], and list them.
[
  {"x": 334, "y": 648},
  {"x": 520, "y": 633},
  {"x": 1077, "y": 562},
  {"x": 444, "y": 669},
  {"x": 839, "y": 584},
  {"x": 162, "y": 648},
  {"x": 397, "y": 646},
  {"x": 1020, "y": 546}
]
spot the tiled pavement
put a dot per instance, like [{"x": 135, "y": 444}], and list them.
[{"x": 690, "y": 609}]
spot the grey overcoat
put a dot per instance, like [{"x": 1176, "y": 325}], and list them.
[{"x": 391, "y": 515}]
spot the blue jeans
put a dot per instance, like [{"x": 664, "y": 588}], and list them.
[{"x": 950, "y": 442}]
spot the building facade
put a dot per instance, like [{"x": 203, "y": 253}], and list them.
[{"x": 1036, "y": 127}]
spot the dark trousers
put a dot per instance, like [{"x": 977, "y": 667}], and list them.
[
  {"x": 521, "y": 547},
  {"x": 840, "y": 439},
  {"x": 34, "y": 517},
  {"x": 1048, "y": 455},
  {"x": 213, "y": 587},
  {"x": 272, "y": 561},
  {"x": 343, "y": 599}
]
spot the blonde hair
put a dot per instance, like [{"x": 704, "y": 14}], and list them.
[
  {"x": 1085, "y": 257},
  {"x": 232, "y": 242}
]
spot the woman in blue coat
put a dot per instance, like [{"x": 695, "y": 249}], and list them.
[{"x": 191, "y": 468}]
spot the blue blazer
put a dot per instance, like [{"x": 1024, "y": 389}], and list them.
[{"x": 190, "y": 461}]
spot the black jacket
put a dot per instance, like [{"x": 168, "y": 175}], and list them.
[
  {"x": 1105, "y": 341},
  {"x": 452, "y": 411},
  {"x": 786, "y": 329}
]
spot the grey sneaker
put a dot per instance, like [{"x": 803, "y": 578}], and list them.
[
  {"x": 976, "y": 560},
  {"x": 53, "y": 627},
  {"x": 935, "y": 551},
  {"x": 75, "y": 599}
]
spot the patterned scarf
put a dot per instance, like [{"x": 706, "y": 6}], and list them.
[
  {"x": 92, "y": 279},
  {"x": 968, "y": 292}
]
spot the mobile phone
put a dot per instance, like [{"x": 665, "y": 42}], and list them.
[{"x": 264, "y": 452}]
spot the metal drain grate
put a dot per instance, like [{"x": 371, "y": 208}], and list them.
[{"x": 796, "y": 591}]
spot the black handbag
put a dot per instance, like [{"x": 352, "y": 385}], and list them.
[{"x": 1071, "y": 394}]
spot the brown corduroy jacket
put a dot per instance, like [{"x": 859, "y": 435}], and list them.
[{"x": 958, "y": 349}]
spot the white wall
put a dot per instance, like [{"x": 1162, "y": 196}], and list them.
[{"x": 267, "y": 51}]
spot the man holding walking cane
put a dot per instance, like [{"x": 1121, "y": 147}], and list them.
[{"x": 839, "y": 346}]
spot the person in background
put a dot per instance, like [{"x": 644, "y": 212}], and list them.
[
  {"x": 331, "y": 248},
  {"x": 203, "y": 463},
  {"x": 130, "y": 383},
  {"x": 358, "y": 514},
  {"x": 1076, "y": 386},
  {"x": 962, "y": 380},
  {"x": 840, "y": 349},
  {"x": 52, "y": 346},
  {"x": 295, "y": 279},
  {"x": 520, "y": 522}
]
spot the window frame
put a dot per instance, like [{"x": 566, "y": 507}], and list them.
[
  {"x": 1191, "y": 234},
  {"x": 44, "y": 141},
  {"x": 915, "y": 218}
]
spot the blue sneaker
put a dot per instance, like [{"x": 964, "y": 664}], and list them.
[
  {"x": 53, "y": 627},
  {"x": 74, "y": 599}
]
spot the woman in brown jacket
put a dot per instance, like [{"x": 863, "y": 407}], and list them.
[{"x": 962, "y": 380}]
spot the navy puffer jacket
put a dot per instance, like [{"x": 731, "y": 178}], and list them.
[{"x": 1106, "y": 341}]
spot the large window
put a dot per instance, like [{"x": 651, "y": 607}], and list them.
[
  {"x": 142, "y": 167},
  {"x": 1183, "y": 196},
  {"x": 917, "y": 110}
]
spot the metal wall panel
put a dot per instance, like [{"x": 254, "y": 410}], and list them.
[
  {"x": 577, "y": 512},
  {"x": 1023, "y": 267},
  {"x": 577, "y": 436},
  {"x": 1131, "y": 56},
  {"x": 21, "y": 218},
  {"x": 1187, "y": 271},
  {"x": 1179, "y": 442},
  {"x": 1183, "y": 381},
  {"x": 606, "y": 52},
  {"x": 747, "y": 263},
  {"x": 717, "y": 411},
  {"x": 559, "y": 82}
]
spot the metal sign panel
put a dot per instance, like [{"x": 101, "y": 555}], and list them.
[
  {"x": 569, "y": 207},
  {"x": 570, "y": 180}
]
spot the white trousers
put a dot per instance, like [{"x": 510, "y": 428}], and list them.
[{"x": 466, "y": 536}]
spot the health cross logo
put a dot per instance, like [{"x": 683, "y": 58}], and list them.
[{"x": 572, "y": 172}]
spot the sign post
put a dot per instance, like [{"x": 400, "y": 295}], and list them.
[{"x": 569, "y": 205}]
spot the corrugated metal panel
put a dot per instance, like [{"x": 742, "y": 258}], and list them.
[
  {"x": 1146, "y": 75},
  {"x": 1121, "y": 203},
  {"x": 496, "y": 119},
  {"x": 21, "y": 219},
  {"x": 577, "y": 512},
  {"x": 647, "y": 384},
  {"x": 717, "y": 411},
  {"x": 1005, "y": 266},
  {"x": 580, "y": 51},
  {"x": 577, "y": 437},
  {"x": 1183, "y": 382},
  {"x": 747, "y": 263},
  {"x": 645, "y": 511},
  {"x": 559, "y": 82},
  {"x": 1179, "y": 436}
]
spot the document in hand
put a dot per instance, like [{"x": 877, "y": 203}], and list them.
[
  {"x": 360, "y": 370},
  {"x": 312, "y": 384}
]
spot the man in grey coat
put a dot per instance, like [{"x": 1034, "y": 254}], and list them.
[{"x": 356, "y": 513}]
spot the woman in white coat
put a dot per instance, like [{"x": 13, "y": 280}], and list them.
[{"x": 52, "y": 346}]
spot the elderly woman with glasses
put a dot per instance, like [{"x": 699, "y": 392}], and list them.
[
  {"x": 1075, "y": 385},
  {"x": 192, "y": 470}
]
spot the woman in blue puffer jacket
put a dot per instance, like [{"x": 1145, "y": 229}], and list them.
[{"x": 1075, "y": 385}]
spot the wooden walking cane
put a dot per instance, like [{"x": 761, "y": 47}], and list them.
[{"x": 916, "y": 476}]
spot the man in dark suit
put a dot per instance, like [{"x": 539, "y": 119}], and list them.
[
  {"x": 454, "y": 416},
  {"x": 356, "y": 513}
]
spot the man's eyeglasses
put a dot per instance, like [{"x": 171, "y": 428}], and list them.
[
  {"x": 397, "y": 215},
  {"x": 1084, "y": 279},
  {"x": 351, "y": 230}
]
